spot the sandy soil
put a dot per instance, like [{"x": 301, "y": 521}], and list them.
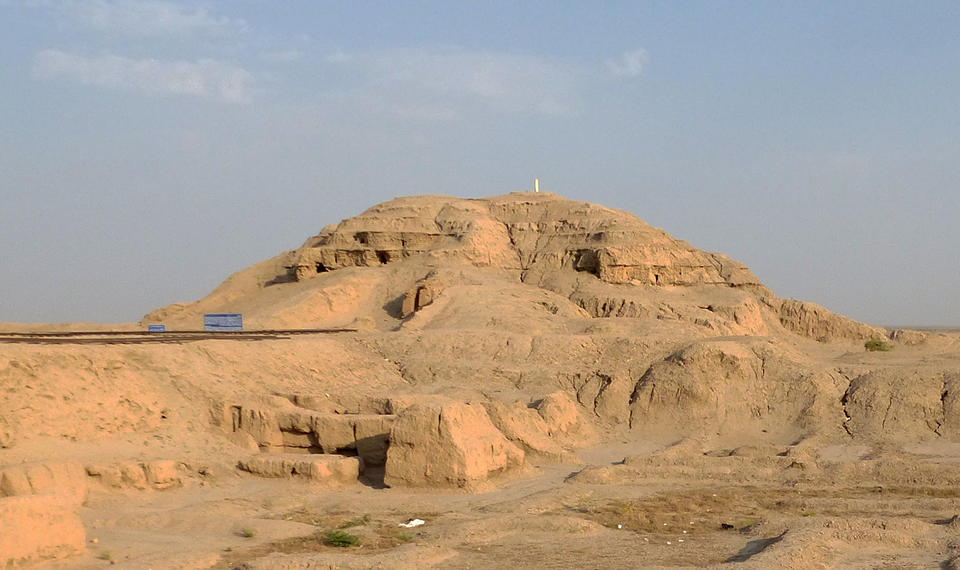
[
  {"x": 651, "y": 512},
  {"x": 632, "y": 499}
]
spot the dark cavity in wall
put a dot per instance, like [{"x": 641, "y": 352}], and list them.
[{"x": 587, "y": 260}]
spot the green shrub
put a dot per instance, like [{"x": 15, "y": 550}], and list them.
[
  {"x": 356, "y": 521},
  {"x": 340, "y": 538},
  {"x": 247, "y": 532},
  {"x": 875, "y": 345}
]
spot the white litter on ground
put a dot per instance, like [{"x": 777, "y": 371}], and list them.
[{"x": 412, "y": 523}]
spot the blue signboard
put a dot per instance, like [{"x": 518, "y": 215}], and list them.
[
  {"x": 156, "y": 328},
  {"x": 223, "y": 322}
]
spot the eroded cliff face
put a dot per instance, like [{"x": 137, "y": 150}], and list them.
[{"x": 533, "y": 233}]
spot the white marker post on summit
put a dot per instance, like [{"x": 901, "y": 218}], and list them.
[{"x": 536, "y": 184}]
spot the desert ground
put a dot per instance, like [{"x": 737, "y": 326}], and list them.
[{"x": 519, "y": 381}]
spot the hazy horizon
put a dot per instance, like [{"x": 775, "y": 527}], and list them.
[{"x": 150, "y": 148}]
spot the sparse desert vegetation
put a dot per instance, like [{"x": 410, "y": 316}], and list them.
[{"x": 340, "y": 538}]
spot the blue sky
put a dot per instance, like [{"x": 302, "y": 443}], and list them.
[{"x": 149, "y": 148}]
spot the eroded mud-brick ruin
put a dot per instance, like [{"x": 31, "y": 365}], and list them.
[{"x": 483, "y": 342}]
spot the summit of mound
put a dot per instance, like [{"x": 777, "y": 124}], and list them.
[{"x": 530, "y": 233}]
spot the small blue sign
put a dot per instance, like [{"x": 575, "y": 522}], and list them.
[
  {"x": 223, "y": 322},
  {"x": 156, "y": 328}
]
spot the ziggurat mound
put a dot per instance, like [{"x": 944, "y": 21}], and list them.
[
  {"x": 608, "y": 262},
  {"x": 497, "y": 336}
]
